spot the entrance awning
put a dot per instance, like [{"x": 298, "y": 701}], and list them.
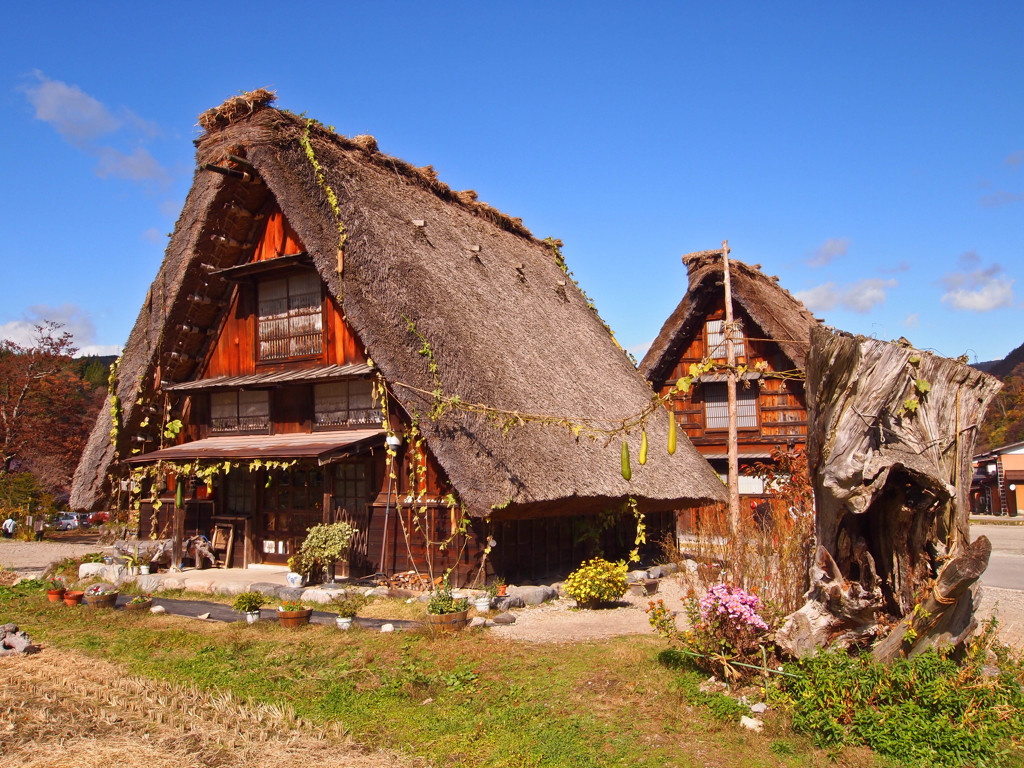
[{"x": 323, "y": 446}]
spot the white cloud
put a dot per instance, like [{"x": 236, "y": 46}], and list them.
[
  {"x": 913, "y": 320},
  {"x": 1001, "y": 197},
  {"x": 152, "y": 235},
  {"x": 1015, "y": 158},
  {"x": 74, "y": 114},
  {"x": 639, "y": 350},
  {"x": 862, "y": 296},
  {"x": 975, "y": 288},
  {"x": 72, "y": 318},
  {"x": 138, "y": 166},
  {"x": 82, "y": 120},
  {"x": 100, "y": 350},
  {"x": 828, "y": 251}
]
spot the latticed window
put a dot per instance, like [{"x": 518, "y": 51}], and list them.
[
  {"x": 240, "y": 411},
  {"x": 351, "y": 487},
  {"x": 290, "y": 317},
  {"x": 716, "y": 339},
  {"x": 344, "y": 403},
  {"x": 716, "y": 406}
]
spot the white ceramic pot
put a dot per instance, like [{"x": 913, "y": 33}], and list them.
[
  {"x": 144, "y": 570},
  {"x": 133, "y": 570},
  {"x": 251, "y": 617},
  {"x": 482, "y": 604},
  {"x": 294, "y": 579},
  {"x": 344, "y": 622}
]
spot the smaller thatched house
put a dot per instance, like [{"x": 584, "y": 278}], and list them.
[
  {"x": 322, "y": 308},
  {"x": 772, "y": 341}
]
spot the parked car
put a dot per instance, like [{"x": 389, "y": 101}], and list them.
[
  {"x": 97, "y": 518},
  {"x": 67, "y": 522}
]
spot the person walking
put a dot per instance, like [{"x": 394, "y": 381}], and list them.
[
  {"x": 9, "y": 526},
  {"x": 38, "y": 525}
]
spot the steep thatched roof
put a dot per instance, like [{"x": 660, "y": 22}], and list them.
[
  {"x": 504, "y": 323},
  {"x": 772, "y": 307}
]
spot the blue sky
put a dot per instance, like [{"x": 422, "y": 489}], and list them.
[{"x": 871, "y": 155}]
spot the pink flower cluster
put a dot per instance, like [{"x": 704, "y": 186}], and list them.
[{"x": 731, "y": 602}]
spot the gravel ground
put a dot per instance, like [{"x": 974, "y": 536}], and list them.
[
  {"x": 30, "y": 558},
  {"x": 558, "y": 621}
]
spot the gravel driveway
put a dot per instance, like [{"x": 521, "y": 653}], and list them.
[{"x": 555, "y": 622}]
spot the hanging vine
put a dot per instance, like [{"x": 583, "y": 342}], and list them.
[{"x": 332, "y": 198}]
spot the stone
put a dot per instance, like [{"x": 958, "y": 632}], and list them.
[
  {"x": 387, "y": 628},
  {"x": 477, "y": 621},
  {"x": 289, "y": 593},
  {"x": 171, "y": 582},
  {"x": 203, "y": 615},
  {"x": 534, "y": 595},
  {"x": 320, "y": 596},
  {"x": 8, "y": 629},
  {"x": 504, "y": 618},
  {"x": 751, "y": 724},
  {"x": 634, "y": 576},
  {"x": 759, "y": 709},
  {"x": 510, "y": 601},
  {"x": 150, "y": 583},
  {"x": 89, "y": 570},
  {"x": 661, "y": 571},
  {"x": 158, "y": 609},
  {"x": 379, "y": 592},
  {"x": 266, "y": 587},
  {"x": 691, "y": 566}
]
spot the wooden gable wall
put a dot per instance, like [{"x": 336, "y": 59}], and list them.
[
  {"x": 233, "y": 352},
  {"x": 781, "y": 405}
]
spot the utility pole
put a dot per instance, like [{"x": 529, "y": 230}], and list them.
[{"x": 730, "y": 389}]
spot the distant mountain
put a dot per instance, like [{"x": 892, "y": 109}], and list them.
[{"x": 1002, "y": 367}]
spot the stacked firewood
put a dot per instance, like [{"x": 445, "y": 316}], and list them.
[{"x": 14, "y": 642}]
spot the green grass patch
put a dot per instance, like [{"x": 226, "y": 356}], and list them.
[{"x": 464, "y": 698}]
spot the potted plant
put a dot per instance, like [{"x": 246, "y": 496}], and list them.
[
  {"x": 444, "y": 611},
  {"x": 347, "y": 605},
  {"x": 131, "y": 562},
  {"x": 596, "y": 581},
  {"x": 56, "y": 591},
  {"x": 500, "y": 588},
  {"x": 295, "y": 575},
  {"x": 100, "y": 596},
  {"x": 250, "y": 603},
  {"x": 139, "y": 603},
  {"x": 324, "y": 545},
  {"x": 292, "y": 613},
  {"x": 145, "y": 558},
  {"x": 73, "y": 597},
  {"x": 644, "y": 587}
]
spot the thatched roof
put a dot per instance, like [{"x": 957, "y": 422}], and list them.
[
  {"x": 505, "y": 324},
  {"x": 778, "y": 314}
]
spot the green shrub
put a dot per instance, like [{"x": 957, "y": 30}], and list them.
[
  {"x": 248, "y": 602},
  {"x": 597, "y": 580},
  {"x": 324, "y": 545},
  {"x": 931, "y": 710},
  {"x": 442, "y": 602}
]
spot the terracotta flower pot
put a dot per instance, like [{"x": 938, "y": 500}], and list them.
[
  {"x": 446, "y": 621},
  {"x": 502, "y": 590},
  {"x": 73, "y": 597},
  {"x": 294, "y": 618},
  {"x": 55, "y": 595}
]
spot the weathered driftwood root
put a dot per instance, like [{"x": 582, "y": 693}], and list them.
[
  {"x": 946, "y": 616},
  {"x": 891, "y": 432},
  {"x": 838, "y": 612}
]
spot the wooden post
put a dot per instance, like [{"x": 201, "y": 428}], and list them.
[
  {"x": 730, "y": 389},
  {"x": 178, "y": 535}
]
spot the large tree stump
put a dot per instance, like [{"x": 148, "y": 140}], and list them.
[{"x": 891, "y": 433}]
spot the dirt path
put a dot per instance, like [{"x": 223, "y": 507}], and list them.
[{"x": 30, "y": 558}]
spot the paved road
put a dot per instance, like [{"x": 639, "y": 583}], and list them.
[{"x": 1006, "y": 568}]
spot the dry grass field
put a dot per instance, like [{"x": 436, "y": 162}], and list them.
[{"x": 61, "y": 709}]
